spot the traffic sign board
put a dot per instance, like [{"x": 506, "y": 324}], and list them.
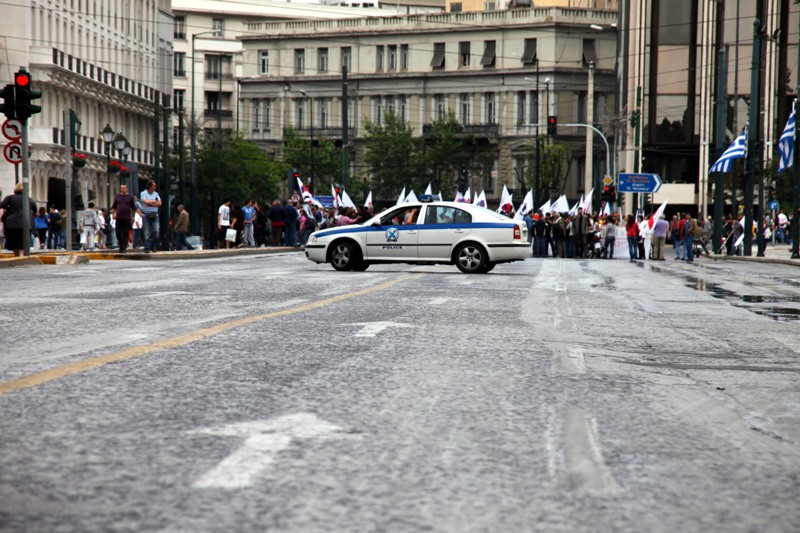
[
  {"x": 773, "y": 204},
  {"x": 13, "y": 153},
  {"x": 12, "y": 129},
  {"x": 607, "y": 180},
  {"x": 639, "y": 183}
]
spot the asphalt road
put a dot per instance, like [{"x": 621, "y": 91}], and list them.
[{"x": 266, "y": 393}]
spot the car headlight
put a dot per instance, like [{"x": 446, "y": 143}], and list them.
[{"x": 313, "y": 238}]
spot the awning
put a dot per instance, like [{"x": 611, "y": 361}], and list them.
[
  {"x": 529, "y": 55},
  {"x": 488, "y": 53},
  {"x": 589, "y": 55}
]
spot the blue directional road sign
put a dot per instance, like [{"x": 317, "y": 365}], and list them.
[
  {"x": 773, "y": 204},
  {"x": 639, "y": 183}
]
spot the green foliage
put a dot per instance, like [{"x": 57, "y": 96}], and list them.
[
  {"x": 392, "y": 155},
  {"x": 229, "y": 166},
  {"x": 445, "y": 155},
  {"x": 327, "y": 158}
]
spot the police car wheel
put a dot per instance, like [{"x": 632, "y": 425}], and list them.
[
  {"x": 361, "y": 267},
  {"x": 470, "y": 258},
  {"x": 343, "y": 256},
  {"x": 488, "y": 268}
]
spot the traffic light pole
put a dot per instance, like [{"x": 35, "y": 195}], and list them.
[{"x": 26, "y": 194}]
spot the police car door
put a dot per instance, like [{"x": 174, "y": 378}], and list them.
[
  {"x": 391, "y": 238},
  {"x": 444, "y": 226}
]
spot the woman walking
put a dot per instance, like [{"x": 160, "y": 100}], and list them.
[{"x": 632, "y": 232}]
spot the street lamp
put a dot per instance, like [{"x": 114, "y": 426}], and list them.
[
  {"x": 311, "y": 121},
  {"x": 108, "y": 138},
  {"x": 193, "y": 217}
]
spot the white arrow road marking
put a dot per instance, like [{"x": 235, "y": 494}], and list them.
[
  {"x": 264, "y": 440},
  {"x": 439, "y": 301},
  {"x": 370, "y": 329}
]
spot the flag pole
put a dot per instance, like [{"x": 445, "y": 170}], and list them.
[{"x": 753, "y": 138}]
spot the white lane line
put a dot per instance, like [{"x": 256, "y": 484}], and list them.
[
  {"x": 370, "y": 329},
  {"x": 586, "y": 471},
  {"x": 439, "y": 301},
  {"x": 263, "y": 441},
  {"x": 571, "y": 359}
]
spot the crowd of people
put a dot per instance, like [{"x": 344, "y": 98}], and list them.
[
  {"x": 283, "y": 223},
  {"x": 594, "y": 236}
]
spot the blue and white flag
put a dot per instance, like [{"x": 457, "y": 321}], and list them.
[
  {"x": 786, "y": 144},
  {"x": 737, "y": 150}
]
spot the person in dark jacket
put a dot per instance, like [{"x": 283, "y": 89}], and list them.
[
  {"x": 277, "y": 219},
  {"x": 290, "y": 224},
  {"x": 13, "y": 221}
]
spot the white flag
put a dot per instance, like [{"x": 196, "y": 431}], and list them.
[
  {"x": 587, "y": 202},
  {"x": 480, "y": 200},
  {"x": 525, "y": 208},
  {"x": 411, "y": 198},
  {"x": 459, "y": 197},
  {"x": 561, "y": 205},
  {"x": 428, "y": 190},
  {"x": 402, "y": 197},
  {"x": 346, "y": 201},
  {"x": 336, "y": 202},
  {"x": 368, "y": 201},
  {"x": 545, "y": 208}
]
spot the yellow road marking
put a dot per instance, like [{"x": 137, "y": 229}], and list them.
[{"x": 186, "y": 338}]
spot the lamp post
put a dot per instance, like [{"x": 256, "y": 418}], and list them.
[
  {"x": 311, "y": 123},
  {"x": 108, "y": 137},
  {"x": 193, "y": 132}
]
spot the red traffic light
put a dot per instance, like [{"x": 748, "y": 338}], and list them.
[
  {"x": 606, "y": 188},
  {"x": 552, "y": 120},
  {"x": 22, "y": 79}
]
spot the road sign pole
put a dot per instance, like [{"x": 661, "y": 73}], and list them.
[{"x": 26, "y": 219}]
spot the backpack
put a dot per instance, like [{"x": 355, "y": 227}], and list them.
[{"x": 310, "y": 224}]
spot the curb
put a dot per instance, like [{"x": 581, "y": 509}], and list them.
[
  {"x": 772, "y": 260},
  {"x": 20, "y": 261}
]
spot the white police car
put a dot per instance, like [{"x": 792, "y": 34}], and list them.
[{"x": 471, "y": 237}]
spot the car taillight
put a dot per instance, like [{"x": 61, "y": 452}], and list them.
[{"x": 517, "y": 233}]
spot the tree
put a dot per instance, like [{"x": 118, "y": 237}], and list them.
[
  {"x": 327, "y": 158},
  {"x": 557, "y": 159},
  {"x": 445, "y": 154},
  {"x": 392, "y": 155},
  {"x": 229, "y": 166}
]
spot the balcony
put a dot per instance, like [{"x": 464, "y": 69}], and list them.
[
  {"x": 481, "y": 131},
  {"x": 225, "y": 114},
  {"x": 225, "y": 76},
  {"x": 319, "y": 133}
]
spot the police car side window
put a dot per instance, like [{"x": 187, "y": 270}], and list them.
[
  {"x": 462, "y": 217},
  {"x": 393, "y": 218}
]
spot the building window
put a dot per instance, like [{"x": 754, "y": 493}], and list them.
[
  {"x": 266, "y": 112},
  {"x": 488, "y": 59},
  {"x": 464, "y": 107},
  {"x": 589, "y": 53},
  {"x": 403, "y": 57},
  {"x": 440, "y": 107},
  {"x": 218, "y": 26},
  {"x": 534, "y": 108},
  {"x": 490, "y": 108},
  {"x": 178, "y": 97},
  {"x": 393, "y": 57},
  {"x": 438, "y": 56},
  {"x": 489, "y": 6},
  {"x": 529, "y": 54},
  {"x": 402, "y": 107},
  {"x": 263, "y": 61},
  {"x": 179, "y": 30},
  {"x": 213, "y": 101},
  {"x": 322, "y": 60},
  {"x": 463, "y": 53},
  {"x": 455, "y": 7},
  {"x": 214, "y": 67},
  {"x": 521, "y": 101},
  {"x": 300, "y": 113},
  {"x": 347, "y": 58},
  {"x": 377, "y": 110},
  {"x": 324, "y": 113},
  {"x": 179, "y": 64},
  {"x": 389, "y": 105},
  {"x": 299, "y": 61},
  {"x": 255, "y": 117},
  {"x": 379, "y": 58}
]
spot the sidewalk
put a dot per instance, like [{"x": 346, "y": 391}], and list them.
[
  {"x": 50, "y": 257},
  {"x": 777, "y": 253}
]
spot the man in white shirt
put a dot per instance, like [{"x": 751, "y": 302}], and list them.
[{"x": 223, "y": 224}]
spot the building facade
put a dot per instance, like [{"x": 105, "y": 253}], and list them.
[
  {"x": 108, "y": 62},
  {"x": 499, "y": 72}
]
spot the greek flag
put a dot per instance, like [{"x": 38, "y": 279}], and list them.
[
  {"x": 737, "y": 150},
  {"x": 786, "y": 144}
]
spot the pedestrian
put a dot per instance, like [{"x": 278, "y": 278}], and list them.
[
  {"x": 580, "y": 225},
  {"x": 89, "y": 225},
  {"x": 150, "y": 202},
  {"x": 237, "y": 224},
  {"x": 40, "y": 224},
  {"x": 260, "y": 233},
  {"x": 609, "y": 238},
  {"x": 632, "y": 233},
  {"x": 123, "y": 211},
  {"x": 249, "y": 224},
  {"x": 54, "y": 229},
  {"x": 277, "y": 219},
  {"x": 13, "y": 221},
  {"x": 223, "y": 223},
  {"x": 676, "y": 230},
  {"x": 659, "y": 238},
  {"x": 292, "y": 216},
  {"x": 101, "y": 229},
  {"x": 539, "y": 236},
  {"x": 137, "y": 227},
  {"x": 689, "y": 231},
  {"x": 181, "y": 228},
  {"x": 640, "y": 251}
]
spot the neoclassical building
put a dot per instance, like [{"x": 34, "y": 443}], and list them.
[
  {"x": 109, "y": 61},
  {"x": 500, "y": 72}
]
